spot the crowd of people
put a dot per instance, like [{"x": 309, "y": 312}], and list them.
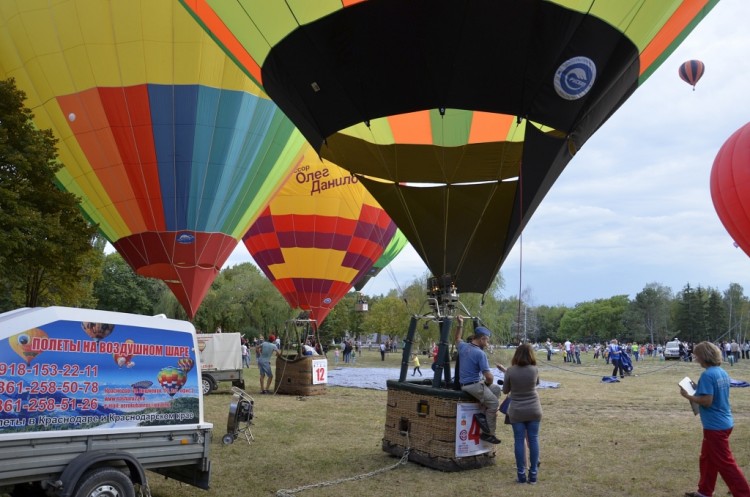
[
  {"x": 571, "y": 351},
  {"x": 524, "y": 412}
]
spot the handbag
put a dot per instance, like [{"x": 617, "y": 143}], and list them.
[{"x": 504, "y": 405}]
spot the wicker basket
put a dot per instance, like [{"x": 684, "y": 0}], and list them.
[
  {"x": 423, "y": 418},
  {"x": 294, "y": 376}
]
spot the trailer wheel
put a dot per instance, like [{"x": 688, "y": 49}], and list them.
[
  {"x": 104, "y": 482},
  {"x": 228, "y": 439},
  {"x": 207, "y": 384}
]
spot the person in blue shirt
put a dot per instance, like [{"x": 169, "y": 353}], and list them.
[
  {"x": 476, "y": 378},
  {"x": 712, "y": 397},
  {"x": 615, "y": 355}
]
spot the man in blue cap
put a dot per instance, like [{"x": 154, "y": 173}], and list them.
[{"x": 476, "y": 378}]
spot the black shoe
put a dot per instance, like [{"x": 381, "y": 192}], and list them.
[
  {"x": 489, "y": 438},
  {"x": 482, "y": 422}
]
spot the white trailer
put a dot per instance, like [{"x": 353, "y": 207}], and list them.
[
  {"x": 92, "y": 400},
  {"x": 221, "y": 360}
]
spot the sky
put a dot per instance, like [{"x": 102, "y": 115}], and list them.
[{"x": 634, "y": 206}]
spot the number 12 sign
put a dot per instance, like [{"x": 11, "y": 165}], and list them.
[{"x": 319, "y": 371}]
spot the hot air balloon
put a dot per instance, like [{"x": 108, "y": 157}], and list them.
[
  {"x": 730, "y": 186},
  {"x": 124, "y": 359},
  {"x": 691, "y": 72},
  {"x": 186, "y": 364},
  {"x": 139, "y": 387},
  {"x": 171, "y": 379},
  {"x": 97, "y": 331},
  {"x": 319, "y": 234},
  {"x": 22, "y": 343},
  {"x": 397, "y": 244},
  {"x": 171, "y": 148},
  {"x": 457, "y": 116}
]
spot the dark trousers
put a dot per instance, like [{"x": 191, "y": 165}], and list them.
[{"x": 617, "y": 363}]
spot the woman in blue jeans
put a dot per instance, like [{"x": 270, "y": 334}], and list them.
[{"x": 525, "y": 411}]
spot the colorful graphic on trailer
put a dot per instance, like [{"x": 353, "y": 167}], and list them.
[{"x": 77, "y": 375}]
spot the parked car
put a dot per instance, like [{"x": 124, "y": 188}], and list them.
[{"x": 672, "y": 350}]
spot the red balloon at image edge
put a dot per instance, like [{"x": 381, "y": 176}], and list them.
[{"x": 730, "y": 186}]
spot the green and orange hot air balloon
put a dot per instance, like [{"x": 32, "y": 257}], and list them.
[{"x": 458, "y": 117}]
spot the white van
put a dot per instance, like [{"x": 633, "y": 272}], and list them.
[{"x": 672, "y": 350}]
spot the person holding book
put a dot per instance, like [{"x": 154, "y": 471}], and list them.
[{"x": 712, "y": 397}]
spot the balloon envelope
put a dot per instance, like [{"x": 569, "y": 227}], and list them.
[
  {"x": 730, "y": 186},
  {"x": 396, "y": 245},
  {"x": 22, "y": 343},
  {"x": 321, "y": 233},
  {"x": 186, "y": 364},
  {"x": 97, "y": 331},
  {"x": 458, "y": 116},
  {"x": 139, "y": 387},
  {"x": 691, "y": 71},
  {"x": 171, "y": 379},
  {"x": 171, "y": 148}
]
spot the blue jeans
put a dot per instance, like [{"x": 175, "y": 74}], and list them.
[{"x": 522, "y": 432}]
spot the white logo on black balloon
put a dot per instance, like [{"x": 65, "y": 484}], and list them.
[{"x": 575, "y": 77}]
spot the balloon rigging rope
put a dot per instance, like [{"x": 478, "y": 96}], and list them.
[
  {"x": 404, "y": 459},
  {"x": 520, "y": 244}
]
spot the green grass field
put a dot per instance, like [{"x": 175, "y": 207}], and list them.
[{"x": 634, "y": 438}]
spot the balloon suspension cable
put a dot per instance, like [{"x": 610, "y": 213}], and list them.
[
  {"x": 520, "y": 242},
  {"x": 392, "y": 274}
]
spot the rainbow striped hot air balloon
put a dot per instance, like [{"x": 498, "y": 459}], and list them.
[
  {"x": 321, "y": 233},
  {"x": 171, "y": 148},
  {"x": 171, "y": 379}
]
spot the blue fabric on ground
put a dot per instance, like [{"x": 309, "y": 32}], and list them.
[{"x": 375, "y": 378}]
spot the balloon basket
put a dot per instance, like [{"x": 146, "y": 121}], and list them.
[
  {"x": 425, "y": 420},
  {"x": 295, "y": 374}
]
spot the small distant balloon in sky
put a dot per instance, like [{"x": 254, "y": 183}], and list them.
[{"x": 691, "y": 72}]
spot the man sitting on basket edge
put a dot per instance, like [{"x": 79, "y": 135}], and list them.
[{"x": 476, "y": 379}]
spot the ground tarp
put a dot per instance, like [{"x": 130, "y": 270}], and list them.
[{"x": 375, "y": 378}]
